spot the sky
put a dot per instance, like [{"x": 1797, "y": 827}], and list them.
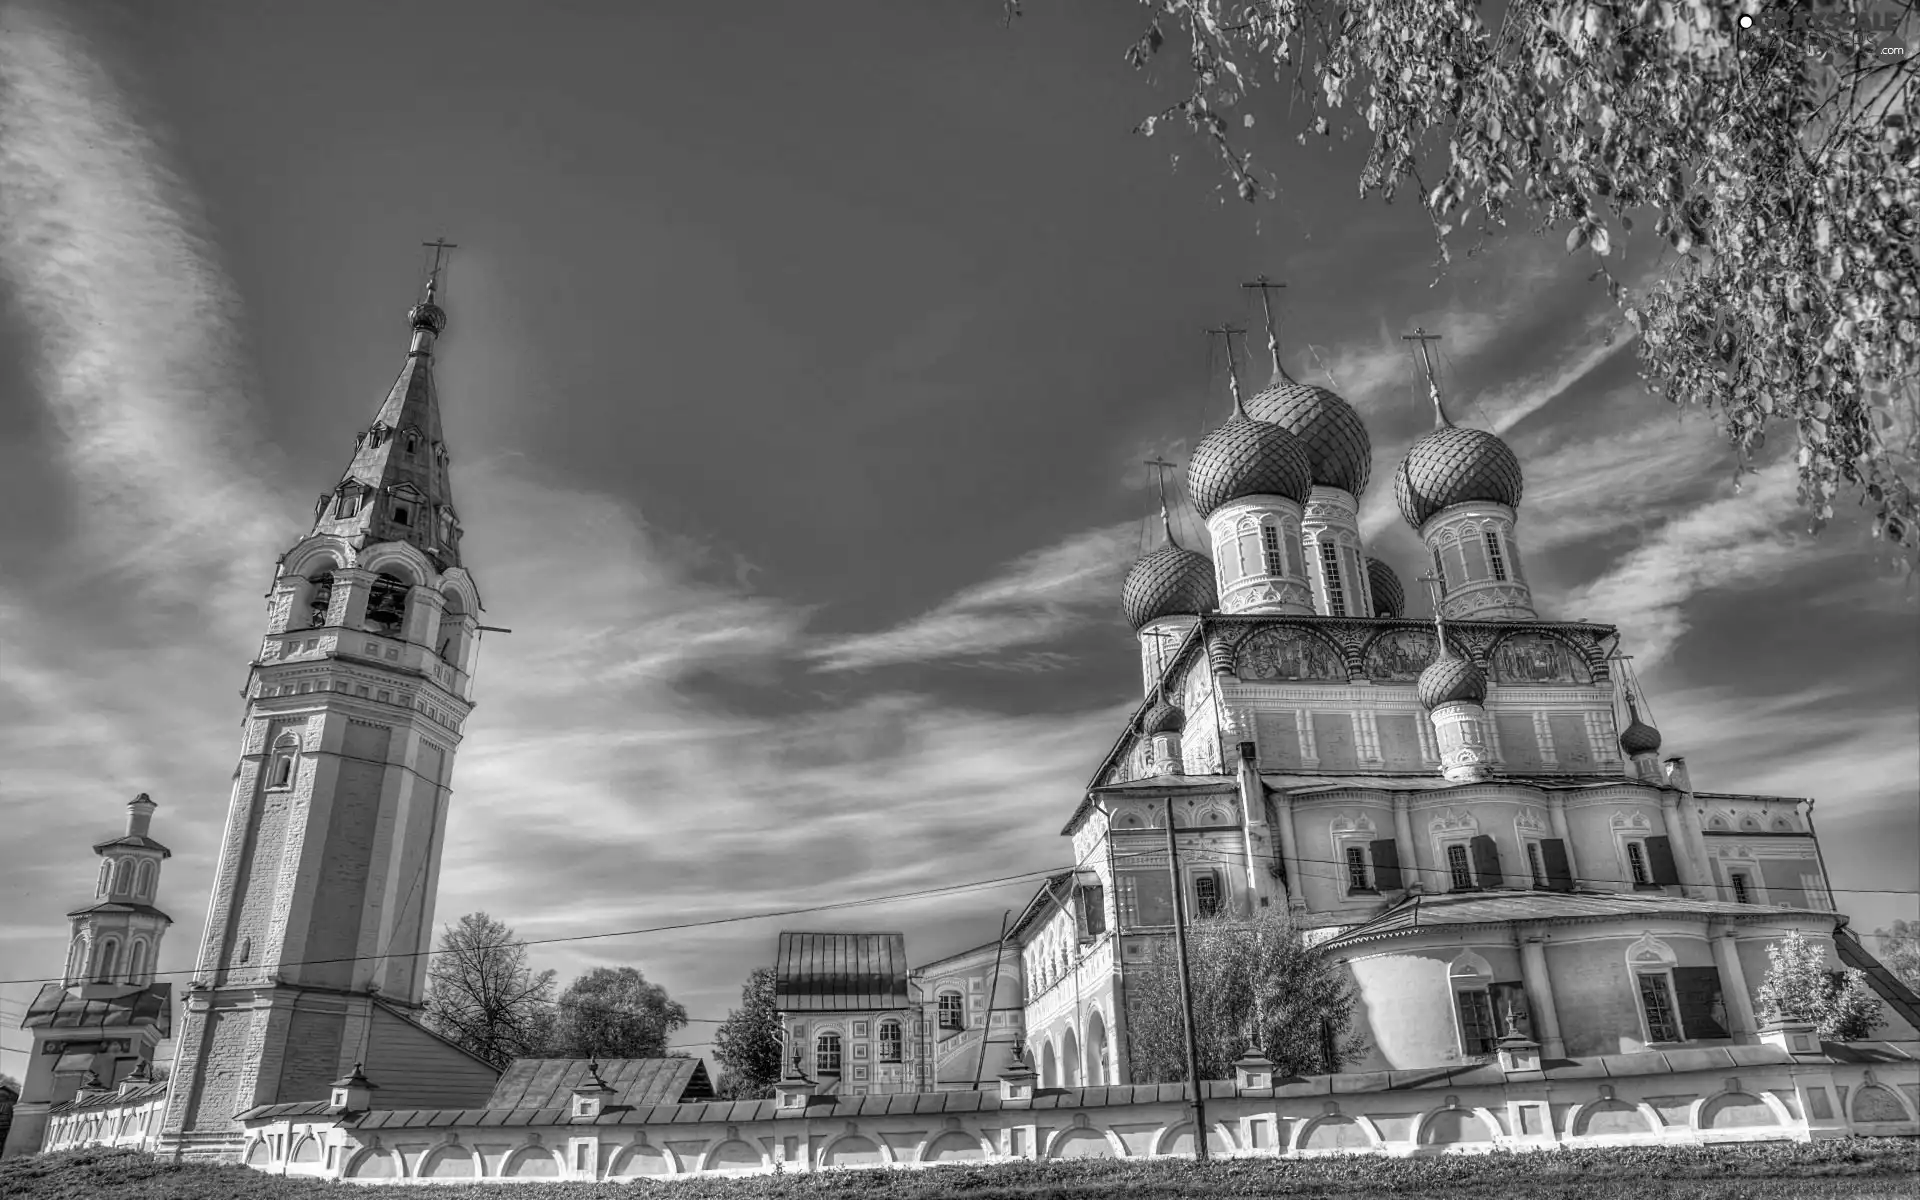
[{"x": 801, "y": 365}]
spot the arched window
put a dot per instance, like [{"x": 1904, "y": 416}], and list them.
[
  {"x": 890, "y": 1048},
  {"x": 137, "y": 963},
  {"x": 76, "y": 960},
  {"x": 1330, "y": 573},
  {"x": 387, "y": 604},
  {"x": 1276, "y": 562},
  {"x": 953, "y": 1011},
  {"x": 1474, "y": 552},
  {"x": 105, "y": 960},
  {"x": 246, "y": 951},
  {"x": 286, "y": 749},
  {"x": 106, "y": 874},
  {"x": 144, "y": 886},
  {"x": 826, "y": 1054},
  {"x": 1495, "y": 557},
  {"x": 123, "y": 877}
]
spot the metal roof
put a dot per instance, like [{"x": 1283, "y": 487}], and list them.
[
  {"x": 115, "y": 1099},
  {"x": 1496, "y": 908},
  {"x": 549, "y": 1082},
  {"x": 57, "y": 1008},
  {"x": 840, "y": 972},
  {"x": 1885, "y": 984}
]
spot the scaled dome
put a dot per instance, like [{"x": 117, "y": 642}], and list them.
[
  {"x": 1389, "y": 598},
  {"x": 1450, "y": 679},
  {"x": 1339, "y": 452},
  {"x": 1638, "y": 737},
  {"x": 1452, "y": 466},
  {"x": 1163, "y": 717},
  {"x": 1247, "y": 458},
  {"x": 1168, "y": 582}
]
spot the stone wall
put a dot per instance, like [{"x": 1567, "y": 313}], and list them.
[{"x": 1682, "y": 1098}]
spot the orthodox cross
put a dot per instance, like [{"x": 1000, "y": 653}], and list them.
[
  {"x": 1160, "y": 468},
  {"x": 439, "y": 246},
  {"x": 1421, "y": 336},
  {"x": 1435, "y": 589},
  {"x": 1225, "y": 333},
  {"x": 1267, "y": 288}
]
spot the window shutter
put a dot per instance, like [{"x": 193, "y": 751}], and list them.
[
  {"x": 1386, "y": 864},
  {"x": 1660, "y": 859},
  {"x": 1702, "y": 1010},
  {"x": 1559, "y": 870},
  {"x": 1486, "y": 861}
]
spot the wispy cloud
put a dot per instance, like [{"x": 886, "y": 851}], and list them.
[
  {"x": 1033, "y": 600},
  {"x": 134, "y": 350},
  {"x": 1733, "y": 540}
]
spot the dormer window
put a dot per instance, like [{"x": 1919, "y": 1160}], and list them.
[
  {"x": 413, "y": 443},
  {"x": 349, "y": 504},
  {"x": 401, "y": 516}
]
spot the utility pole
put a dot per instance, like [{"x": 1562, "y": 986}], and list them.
[{"x": 1186, "y": 992}]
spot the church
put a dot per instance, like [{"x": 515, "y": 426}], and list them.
[{"x": 1555, "y": 937}]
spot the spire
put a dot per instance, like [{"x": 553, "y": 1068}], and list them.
[
  {"x": 1225, "y": 333},
  {"x": 1267, "y": 289},
  {"x": 397, "y": 487},
  {"x": 1421, "y": 336}
]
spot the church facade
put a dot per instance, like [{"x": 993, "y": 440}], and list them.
[{"x": 1470, "y": 813}]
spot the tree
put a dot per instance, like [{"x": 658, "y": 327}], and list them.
[
  {"x": 1767, "y": 145},
  {"x": 482, "y": 995},
  {"x": 1256, "y": 983},
  {"x": 748, "y": 1043},
  {"x": 1900, "y": 951},
  {"x": 613, "y": 1012},
  {"x": 1799, "y": 987}
]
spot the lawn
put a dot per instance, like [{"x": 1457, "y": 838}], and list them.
[{"x": 1858, "y": 1169}]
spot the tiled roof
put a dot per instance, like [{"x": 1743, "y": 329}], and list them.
[
  {"x": 115, "y": 1099},
  {"x": 1612, "y": 1066},
  {"x": 840, "y": 972},
  {"x": 1493, "y": 908},
  {"x": 1885, "y": 983},
  {"x": 549, "y": 1082},
  {"x": 57, "y": 1008},
  {"x": 1052, "y": 892}
]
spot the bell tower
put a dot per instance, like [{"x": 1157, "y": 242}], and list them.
[{"x": 324, "y": 889}]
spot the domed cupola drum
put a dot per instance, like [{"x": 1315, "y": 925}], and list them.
[
  {"x": 1460, "y": 491},
  {"x": 1340, "y": 460},
  {"x": 1249, "y": 480}
]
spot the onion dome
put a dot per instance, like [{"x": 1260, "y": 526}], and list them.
[
  {"x": 428, "y": 315},
  {"x": 1339, "y": 452},
  {"x": 1243, "y": 458},
  {"x": 1171, "y": 581},
  {"x": 1163, "y": 717},
  {"x": 1450, "y": 678},
  {"x": 1638, "y": 737},
  {"x": 1389, "y": 598},
  {"x": 1452, "y": 466}
]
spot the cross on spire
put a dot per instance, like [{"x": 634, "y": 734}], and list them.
[
  {"x": 1267, "y": 288},
  {"x": 1421, "y": 336},
  {"x": 1225, "y": 333},
  {"x": 1160, "y": 468},
  {"x": 1436, "y": 588},
  {"x": 439, "y": 246}
]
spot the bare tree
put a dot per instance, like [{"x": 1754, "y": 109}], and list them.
[{"x": 482, "y": 995}]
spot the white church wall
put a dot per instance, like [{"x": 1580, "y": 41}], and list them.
[{"x": 1754, "y": 1094}]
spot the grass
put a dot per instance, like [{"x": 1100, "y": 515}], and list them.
[{"x": 1853, "y": 1169}]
